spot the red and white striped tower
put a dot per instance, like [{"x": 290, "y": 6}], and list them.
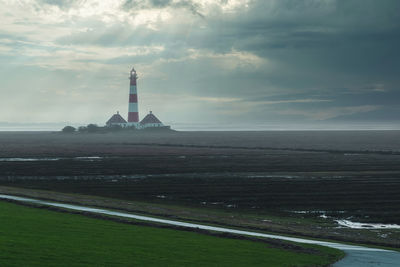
[{"x": 133, "y": 114}]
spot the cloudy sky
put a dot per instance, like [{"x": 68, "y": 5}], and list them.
[{"x": 201, "y": 61}]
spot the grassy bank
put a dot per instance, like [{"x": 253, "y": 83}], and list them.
[
  {"x": 293, "y": 225},
  {"x": 36, "y": 237}
]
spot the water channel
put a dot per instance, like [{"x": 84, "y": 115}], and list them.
[{"x": 356, "y": 256}]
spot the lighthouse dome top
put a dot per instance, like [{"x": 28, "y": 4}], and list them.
[{"x": 133, "y": 73}]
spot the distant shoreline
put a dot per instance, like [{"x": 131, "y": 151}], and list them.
[
  {"x": 228, "y": 127},
  {"x": 215, "y": 131}
]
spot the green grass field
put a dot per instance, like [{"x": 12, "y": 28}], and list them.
[{"x": 38, "y": 237}]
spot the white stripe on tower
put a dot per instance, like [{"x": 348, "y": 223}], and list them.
[{"x": 133, "y": 114}]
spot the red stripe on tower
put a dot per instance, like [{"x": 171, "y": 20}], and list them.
[
  {"x": 133, "y": 98},
  {"x": 133, "y": 116}
]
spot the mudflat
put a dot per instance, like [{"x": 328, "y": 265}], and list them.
[{"x": 293, "y": 175}]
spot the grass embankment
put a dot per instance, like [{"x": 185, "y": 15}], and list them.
[
  {"x": 294, "y": 225},
  {"x": 37, "y": 237}
]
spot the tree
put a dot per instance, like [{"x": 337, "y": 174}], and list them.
[
  {"x": 92, "y": 128},
  {"x": 68, "y": 129},
  {"x": 82, "y": 129}
]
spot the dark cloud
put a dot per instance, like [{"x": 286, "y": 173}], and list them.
[
  {"x": 320, "y": 45},
  {"x": 275, "y": 57}
]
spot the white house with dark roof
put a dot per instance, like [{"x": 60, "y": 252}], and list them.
[
  {"x": 116, "y": 120},
  {"x": 151, "y": 121}
]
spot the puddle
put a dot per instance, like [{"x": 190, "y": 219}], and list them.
[
  {"x": 358, "y": 225},
  {"x": 28, "y": 159},
  {"x": 273, "y": 176},
  {"x": 90, "y": 158}
]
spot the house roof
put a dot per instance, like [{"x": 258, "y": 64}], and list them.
[
  {"x": 116, "y": 118},
  {"x": 150, "y": 118}
]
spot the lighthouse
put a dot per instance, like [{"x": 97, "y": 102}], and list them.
[
  {"x": 149, "y": 121},
  {"x": 133, "y": 111}
]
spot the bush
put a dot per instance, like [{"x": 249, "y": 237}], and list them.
[
  {"x": 114, "y": 128},
  {"x": 82, "y": 129},
  {"x": 68, "y": 129},
  {"x": 92, "y": 128}
]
